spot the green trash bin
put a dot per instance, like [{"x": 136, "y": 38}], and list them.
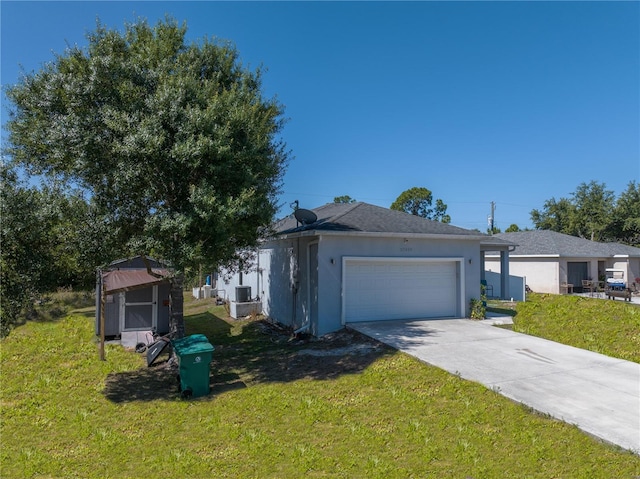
[{"x": 194, "y": 359}]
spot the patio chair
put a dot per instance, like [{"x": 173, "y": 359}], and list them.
[
  {"x": 600, "y": 287},
  {"x": 566, "y": 288},
  {"x": 488, "y": 288},
  {"x": 587, "y": 286}
]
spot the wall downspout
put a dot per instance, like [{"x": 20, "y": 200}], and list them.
[
  {"x": 294, "y": 286},
  {"x": 259, "y": 292},
  {"x": 303, "y": 328}
]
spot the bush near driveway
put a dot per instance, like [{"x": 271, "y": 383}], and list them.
[{"x": 276, "y": 411}]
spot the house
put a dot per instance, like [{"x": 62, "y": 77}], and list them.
[
  {"x": 549, "y": 259},
  {"x": 136, "y": 297},
  {"x": 341, "y": 263}
]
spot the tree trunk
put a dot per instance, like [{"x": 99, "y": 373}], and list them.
[{"x": 176, "y": 305}]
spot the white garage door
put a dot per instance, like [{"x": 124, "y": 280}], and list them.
[{"x": 379, "y": 289}]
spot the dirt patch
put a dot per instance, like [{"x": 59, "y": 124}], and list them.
[
  {"x": 328, "y": 357},
  {"x": 263, "y": 353},
  {"x": 342, "y": 343},
  {"x": 353, "y": 349}
]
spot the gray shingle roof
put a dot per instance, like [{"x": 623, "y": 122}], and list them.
[
  {"x": 363, "y": 217},
  {"x": 543, "y": 242}
]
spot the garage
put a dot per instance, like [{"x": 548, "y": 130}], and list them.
[
  {"x": 377, "y": 289},
  {"x": 355, "y": 262}
]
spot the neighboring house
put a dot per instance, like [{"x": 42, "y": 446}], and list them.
[
  {"x": 135, "y": 300},
  {"x": 548, "y": 259},
  {"x": 360, "y": 262}
]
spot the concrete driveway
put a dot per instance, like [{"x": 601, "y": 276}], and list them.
[{"x": 599, "y": 394}]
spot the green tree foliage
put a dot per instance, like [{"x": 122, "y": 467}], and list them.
[
  {"x": 344, "y": 199},
  {"x": 555, "y": 216},
  {"x": 50, "y": 239},
  {"x": 21, "y": 236},
  {"x": 513, "y": 228},
  {"x": 594, "y": 206},
  {"x": 626, "y": 215},
  {"x": 594, "y": 213},
  {"x": 174, "y": 142},
  {"x": 43, "y": 245},
  {"x": 418, "y": 201}
]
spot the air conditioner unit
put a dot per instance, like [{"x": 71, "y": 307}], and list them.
[{"x": 243, "y": 294}]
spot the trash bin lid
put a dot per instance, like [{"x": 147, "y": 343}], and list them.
[
  {"x": 187, "y": 340},
  {"x": 187, "y": 344},
  {"x": 194, "y": 348},
  {"x": 182, "y": 344}
]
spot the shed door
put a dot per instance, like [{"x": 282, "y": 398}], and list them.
[
  {"x": 382, "y": 289},
  {"x": 140, "y": 309}
]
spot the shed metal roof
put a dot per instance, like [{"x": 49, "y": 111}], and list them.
[{"x": 120, "y": 280}]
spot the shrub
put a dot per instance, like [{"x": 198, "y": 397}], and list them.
[{"x": 478, "y": 309}]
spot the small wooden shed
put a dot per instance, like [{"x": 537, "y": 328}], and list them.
[{"x": 136, "y": 297}]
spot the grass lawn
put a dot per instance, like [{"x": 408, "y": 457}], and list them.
[
  {"x": 603, "y": 326},
  {"x": 279, "y": 409}
]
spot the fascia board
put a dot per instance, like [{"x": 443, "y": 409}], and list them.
[
  {"x": 525, "y": 256},
  {"x": 564, "y": 256}
]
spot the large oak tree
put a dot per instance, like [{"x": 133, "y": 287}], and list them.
[{"x": 174, "y": 141}]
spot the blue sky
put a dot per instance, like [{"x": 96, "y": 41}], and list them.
[{"x": 511, "y": 102}]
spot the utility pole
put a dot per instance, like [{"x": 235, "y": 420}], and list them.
[{"x": 492, "y": 217}]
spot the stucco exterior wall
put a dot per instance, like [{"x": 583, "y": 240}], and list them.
[
  {"x": 542, "y": 273},
  {"x": 545, "y": 274},
  {"x": 292, "y": 300},
  {"x": 278, "y": 278},
  {"x": 634, "y": 271}
]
